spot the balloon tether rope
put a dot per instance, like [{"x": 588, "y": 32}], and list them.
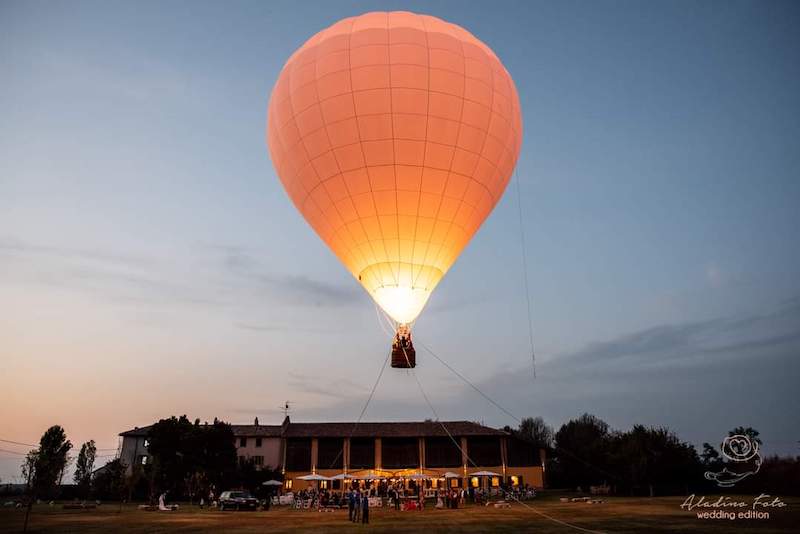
[
  {"x": 464, "y": 453},
  {"x": 525, "y": 272},
  {"x": 364, "y": 408}
]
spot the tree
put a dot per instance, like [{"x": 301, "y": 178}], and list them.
[
  {"x": 536, "y": 431},
  {"x": 582, "y": 452},
  {"x": 169, "y": 445},
  {"x": 750, "y": 432},
  {"x": 110, "y": 482},
  {"x": 48, "y": 462},
  {"x": 138, "y": 482},
  {"x": 777, "y": 476},
  {"x": 84, "y": 466},
  {"x": 187, "y": 455},
  {"x": 654, "y": 458},
  {"x": 217, "y": 453},
  {"x": 252, "y": 477},
  {"x": 710, "y": 457},
  {"x": 28, "y": 468},
  {"x": 195, "y": 484},
  {"x": 44, "y": 467}
]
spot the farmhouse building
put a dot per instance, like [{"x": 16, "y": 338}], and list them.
[{"x": 390, "y": 449}]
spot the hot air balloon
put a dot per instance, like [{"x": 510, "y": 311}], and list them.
[{"x": 395, "y": 135}]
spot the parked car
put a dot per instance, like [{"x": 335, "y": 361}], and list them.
[{"x": 237, "y": 500}]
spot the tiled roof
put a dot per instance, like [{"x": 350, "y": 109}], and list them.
[
  {"x": 404, "y": 429},
  {"x": 388, "y": 430},
  {"x": 266, "y": 431},
  {"x": 137, "y": 432}
]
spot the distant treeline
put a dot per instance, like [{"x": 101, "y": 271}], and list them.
[
  {"x": 187, "y": 459},
  {"x": 586, "y": 452}
]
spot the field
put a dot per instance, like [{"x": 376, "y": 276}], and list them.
[{"x": 616, "y": 514}]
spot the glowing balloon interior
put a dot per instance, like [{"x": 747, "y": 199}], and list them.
[{"x": 395, "y": 135}]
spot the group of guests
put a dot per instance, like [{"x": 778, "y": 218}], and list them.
[
  {"x": 480, "y": 496},
  {"x": 358, "y": 506},
  {"x": 394, "y": 497},
  {"x": 520, "y": 493},
  {"x": 451, "y": 498},
  {"x": 356, "y": 499},
  {"x": 314, "y": 496}
]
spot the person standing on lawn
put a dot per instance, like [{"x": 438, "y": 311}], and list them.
[
  {"x": 351, "y": 502},
  {"x": 365, "y": 509},
  {"x": 357, "y": 509}
]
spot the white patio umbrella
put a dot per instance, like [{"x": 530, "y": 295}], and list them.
[
  {"x": 342, "y": 476},
  {"x": 371, "y": 477},
  {"x": 313, "y": 476},
  {"x": 272, "y": 483},
  {"x": 485, "y": 474},
  {"x": 450, "y": 474}
]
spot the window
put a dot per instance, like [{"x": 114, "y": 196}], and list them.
[
  {"x": 522, "y": 453},
  {"x": 484, "y": 450},
  {"x": 399, "y": 452},
  {"x": 288, "y": 484},
  {"x": 330, "y": 453},
  {"x": 258, "y": 460},
  {"x": 258, "y": 442},
  {"x": 474, "y": 482},
  {"x": 495, "y": 482},
  {"x": 323, "y": 484},
  {"x": 455, "y": 482},
  {"x": 441, "y": 452},
  {"x": 298, "y": 454},
  {"x": 516, "y": 481},
  {"x": 146, "y": 443},
  {"x": 362, "y": 453},
  {"x": 142, "y": 459},
  {"x": 243, "y": 442}
]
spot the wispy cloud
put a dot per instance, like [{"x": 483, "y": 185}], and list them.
[
  {"x": 300, "y": 289},
  {"x": 288, "y": 289},
  {"x": 341, "y": 388},
  {"x": 115, "y": 277},
  {"x": 10, "y": 247},
  {"x": 285, "y": 328},
  {"x": 690, "y": 343},
  {"x": 231, "y": 276},
  {"x": 700, "y": 378}
]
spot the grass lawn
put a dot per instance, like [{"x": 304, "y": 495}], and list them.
[{"x": 616, "y": 514}]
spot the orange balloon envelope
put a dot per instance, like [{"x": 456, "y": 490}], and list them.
[{"x": 395, "y": 134}]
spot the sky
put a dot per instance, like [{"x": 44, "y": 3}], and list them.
[{"x": 151, "y": 263}]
